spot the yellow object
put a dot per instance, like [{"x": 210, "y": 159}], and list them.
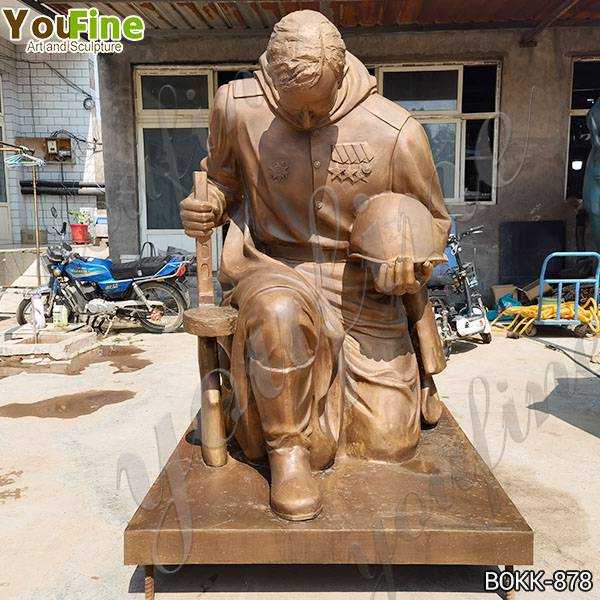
[
  {"x": 525, "y": 316},
  {"x": 60, "y": 315}
]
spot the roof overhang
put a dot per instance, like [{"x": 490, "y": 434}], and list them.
[{"x": 179, "y": 17}]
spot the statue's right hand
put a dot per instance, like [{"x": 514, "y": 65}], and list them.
[{"x": 198, "y": 217}]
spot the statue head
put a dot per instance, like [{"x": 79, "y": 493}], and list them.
[{"x": 306, "y": 57}]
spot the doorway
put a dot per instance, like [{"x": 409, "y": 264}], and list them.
[{"x": 172, "y": 113}]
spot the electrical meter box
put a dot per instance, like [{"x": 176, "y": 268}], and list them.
[{"x": 59, "y": 148}]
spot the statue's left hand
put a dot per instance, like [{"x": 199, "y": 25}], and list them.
[{"x": 402, "y": 277}]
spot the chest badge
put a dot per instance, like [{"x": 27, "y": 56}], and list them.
[
  {"x": 278, "y": 171},
  {"x": 351, "y": 161}
]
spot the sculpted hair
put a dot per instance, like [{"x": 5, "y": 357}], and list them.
[{"x": 300, "y": 45}]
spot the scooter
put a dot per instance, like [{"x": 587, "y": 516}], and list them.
[
  {"x": 456, "y": 298},
  {"x": 99, "y": 291}
]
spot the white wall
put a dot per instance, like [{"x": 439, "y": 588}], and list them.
[
  {"x": 12, "y": 117},
  {"x": 39, "y": 102}
]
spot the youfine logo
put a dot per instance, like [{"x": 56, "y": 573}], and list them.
[{"x": 82, "y": 30}]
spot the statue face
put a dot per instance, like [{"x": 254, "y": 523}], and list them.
[{"x": 311, "y": 104}]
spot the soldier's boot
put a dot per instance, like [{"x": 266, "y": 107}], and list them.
[
  {"x": 295, "y": 495},
  {"x": 281, "y": 342}
]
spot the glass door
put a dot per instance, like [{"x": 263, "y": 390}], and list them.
[{"x": 172, "y": 108}]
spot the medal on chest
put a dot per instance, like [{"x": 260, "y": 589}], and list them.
[
  {"x": 278, "y": 171},
  {"x": 351, "y": 161}
]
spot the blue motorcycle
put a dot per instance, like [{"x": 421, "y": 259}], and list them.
[{"x": 97, "y": 291}]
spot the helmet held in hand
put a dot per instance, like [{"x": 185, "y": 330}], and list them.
[{"x": 392, "y": 226}]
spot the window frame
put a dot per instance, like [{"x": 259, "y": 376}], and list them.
[
  {"x": 164, "y": 119},
  {"x": 574, "y": 112},
  {"x": 459, "y": 150},
  {"x": 148, "y": 114},
  {"x": 446, "y": 116},
  {"x": 427, "y": 67},
  {"x": 216, "y": 69}
]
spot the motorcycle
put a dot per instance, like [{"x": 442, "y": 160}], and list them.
[
  {"x": 456, "y": 298},
  {"x": 98, "y": 291}
]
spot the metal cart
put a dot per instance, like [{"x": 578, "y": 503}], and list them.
[{"x": 561, "y": 282}]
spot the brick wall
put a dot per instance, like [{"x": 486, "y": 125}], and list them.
[{"x": 39, "y": 102}]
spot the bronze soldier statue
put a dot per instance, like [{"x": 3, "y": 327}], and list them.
[{"x": 336, "y": 343}]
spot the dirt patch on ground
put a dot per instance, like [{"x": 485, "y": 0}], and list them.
[
  {"x": 7, "y": 479},
  {"x": 124, "y": 359},
  {"x": 68, "y": 406}
]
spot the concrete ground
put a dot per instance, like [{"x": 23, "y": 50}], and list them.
[{"x": 80, "y": 449}]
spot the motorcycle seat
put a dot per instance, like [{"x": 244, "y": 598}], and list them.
[
  {"x": 146, "y": 267},
  {"x": 440, "y": 280}
]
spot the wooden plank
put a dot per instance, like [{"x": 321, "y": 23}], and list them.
[
  {"x": 193, "y": 15},
  {"x": 548, "y": 18},
  {"x": 150, "y": 13},
  {"x": 170, "y": 12}
]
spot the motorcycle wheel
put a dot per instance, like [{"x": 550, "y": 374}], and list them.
[
  {"x": 486, "y": 338},
  {"x": 171, "y": 319},
  {"x": 24, "y": 314}
]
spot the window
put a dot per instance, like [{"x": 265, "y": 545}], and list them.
[
  {"x": 227, "y": 76},
  {"x": 171, "y": 155},
  {"x": 585, "y": 91},
  {"x": 458, "y": 107},
  {"x": 442, "y": 138},
  {"x": 183, "y": 92},
  {"x": 172, "y": 106}
]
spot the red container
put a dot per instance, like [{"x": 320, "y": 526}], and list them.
[{"x": 79, "y": 233}]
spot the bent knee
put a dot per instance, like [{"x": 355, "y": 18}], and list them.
[{"x": 282, "y": 332}]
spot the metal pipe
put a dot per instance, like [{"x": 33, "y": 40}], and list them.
[
  {"x": 37, "y": 229},
  {"x": 38, "y": 258},
  {"x": 62, "y": 191},
  {"x": 66, "y": 182}
]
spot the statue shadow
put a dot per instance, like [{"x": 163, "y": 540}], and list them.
[
  {"x": 462, "y": 346},
  {"x": 322, "y": 579},
  {"x": 574, "y": 400},
  {"x": 194, "y": 437}
]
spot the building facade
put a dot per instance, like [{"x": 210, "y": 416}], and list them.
[
  {"x": 42, "y": 97},
  {"x": 505, "y": 116}
]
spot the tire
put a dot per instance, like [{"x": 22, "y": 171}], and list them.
[
  {"x": 582, "y": 331},
  {"x": 486, "y": 338},
  {"x": 156, "y": 290},
  {"x": 23, "y": 310}
]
